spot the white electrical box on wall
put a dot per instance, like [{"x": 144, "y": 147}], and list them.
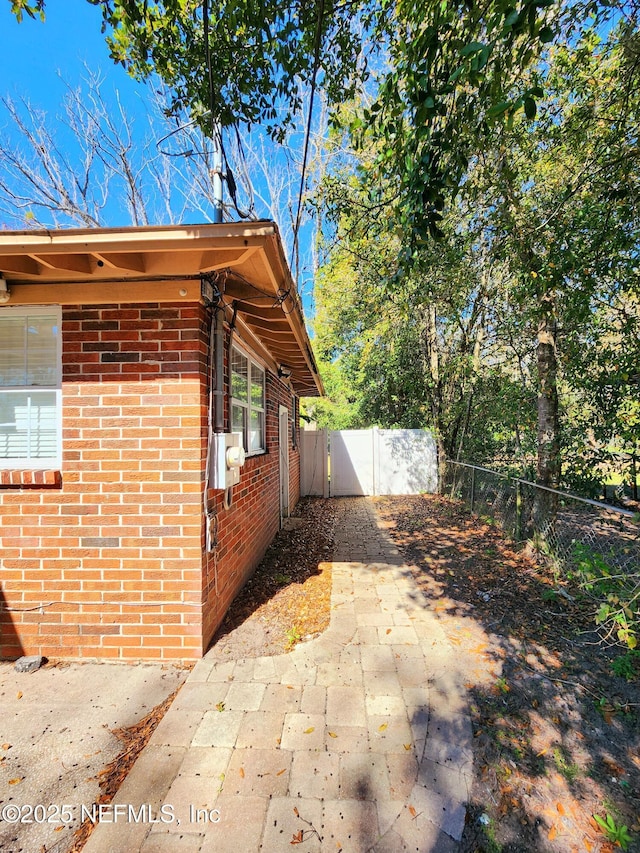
[{"x": 227, "y": 457}]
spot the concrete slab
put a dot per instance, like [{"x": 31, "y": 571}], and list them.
[
  {"x": 364, "y": 776},
  {"x": 57, "y": 724},
  {"x": 217, "y": 728},
  {"x": 281, "y": 697},
  {"x": 240, "y": 826},
  {"x": 261, "y": 730},
  {"x": 350, "y": 826},
  {"x": 261, "y": 772},
  {"x": 346, "y": 706},
  {"x": 314, "y": 699},
  {"x": 244, "y": 696}
]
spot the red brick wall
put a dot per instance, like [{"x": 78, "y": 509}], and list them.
[
  {"x": 244, "y": 531},
  {"x": 107, "y": 564},
  {"x": 108, "y": 559}
]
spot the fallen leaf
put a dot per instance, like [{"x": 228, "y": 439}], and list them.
[
  {"x": 242, "y": 772},
  {"x": 332, "y": 734},
  {"x": 19, "y": 696},
  {"x": 407, "y": 746},
  {"x": 296, "y": 812},
  {"x": 542, "y": 752},
  {"x": 59, "y": 828},
  {"x": 220, "y": 706},
  {"x": 588, "y": 846},
  {"x": 16, "y": 781},
  {"x": 388, "y": 630},
  {"x": 412, "y": 811},
  {"x": 552, "y": 832},
  {"x": 560, "y": 808},
  {"x": 309, "y": 730},
  {"x": 6, "y": 746},
  {"x": 382, "y": 727},
  {"x": 612, "y": 767},
  {"x": 280, "y": 772},
  {"x": 297, "y": 837}
]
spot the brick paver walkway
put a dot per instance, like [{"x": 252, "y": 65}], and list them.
[{"x": 356, "y": 741}]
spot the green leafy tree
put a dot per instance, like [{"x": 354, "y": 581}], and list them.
[
  {"x": 525, "y": 111},
  {"x": 444, "y": 71},
  {"x": 565, "y": 223},
  {"x": 411, "y": 351},
  {"x": 340, "y": 407}
]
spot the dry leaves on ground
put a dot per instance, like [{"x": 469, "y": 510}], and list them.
[{"x": 556, "y": 732}]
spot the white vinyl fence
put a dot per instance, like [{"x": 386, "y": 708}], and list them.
[
  {"x": 314, "y": 463},
  {"x": 368, "y": 462}
]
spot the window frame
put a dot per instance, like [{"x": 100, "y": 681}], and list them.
[
  {"x": 50, "y": 463},
  {"x": 247, "y": 404}
]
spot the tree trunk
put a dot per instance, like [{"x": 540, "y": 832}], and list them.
[
  {"x": 442, "y": 462},
  {"x": 548, "y": 468}
]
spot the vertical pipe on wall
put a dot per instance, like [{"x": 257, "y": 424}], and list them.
[
  {"x": 229, "y": 347},
  {"x": 218, "y": 390}
]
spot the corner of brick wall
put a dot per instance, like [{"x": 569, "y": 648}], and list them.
[{"x": 108, "y": 563}]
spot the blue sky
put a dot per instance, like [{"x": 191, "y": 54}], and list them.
[
  {"x": 34, "y": 54},
  {"x": 37, "y": 58}
]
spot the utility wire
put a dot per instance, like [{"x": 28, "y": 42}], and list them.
[
  {"x": 216, "y": 129},
  {"x": 207, "y": 59},
  {"x": 314, "y": 78}
]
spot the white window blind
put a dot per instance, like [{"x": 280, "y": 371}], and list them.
[{"x": 30, "y": 377}]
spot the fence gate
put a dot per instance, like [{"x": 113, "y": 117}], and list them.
[
  {"x": 368, "y": 462},
  {"x": 314, "y": 463},
  {"x": 352, "y": 459}
]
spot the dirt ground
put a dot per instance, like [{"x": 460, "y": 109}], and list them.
[
  {"x": 288, "y": 598},
  {"x": 557, "y": 733}
]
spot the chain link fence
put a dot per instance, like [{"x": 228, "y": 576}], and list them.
[{"x": 572, "y": 531}]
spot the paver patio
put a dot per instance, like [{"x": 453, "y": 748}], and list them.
[{"x": 356, "y": 741}]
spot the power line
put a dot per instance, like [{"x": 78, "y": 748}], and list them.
[
  {"x": 314, "y": 77},
  {"x": 216, "y": 127}
]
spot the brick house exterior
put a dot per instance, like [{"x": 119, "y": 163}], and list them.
[{"x": 113, "y": 543}]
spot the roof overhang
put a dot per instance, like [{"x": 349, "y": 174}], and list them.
[{"x": 244, "y": 261}]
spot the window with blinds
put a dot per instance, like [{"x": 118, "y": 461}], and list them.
[
  {"x": 247, "y": 401},
  {"x": 30, "y": 382}
]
